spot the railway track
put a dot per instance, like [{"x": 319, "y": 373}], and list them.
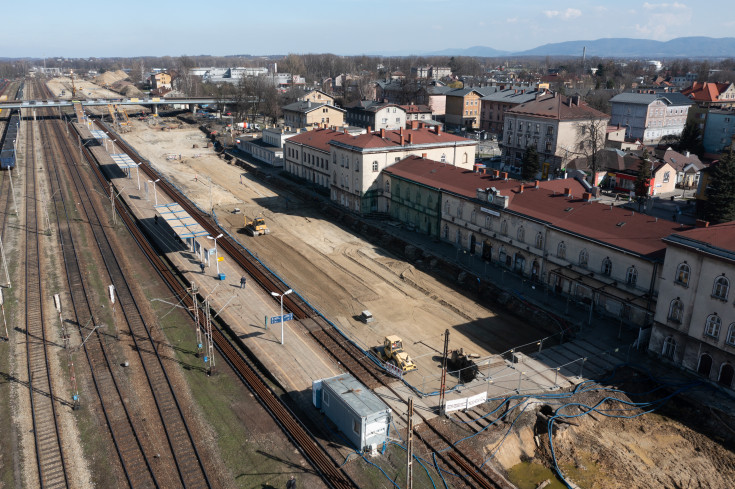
[
  {"x": 124, "y": 428},
  {"x": 294, "y": 429},
  {"x": 352, "y": 358},
  {"x": 46, "y": 433}
]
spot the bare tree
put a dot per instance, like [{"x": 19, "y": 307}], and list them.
[{"x": 591, "y": 136}]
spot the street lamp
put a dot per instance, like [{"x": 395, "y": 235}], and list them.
[
  {"x": 137, "y": 173},
  {"x": 216, "y": 256},
  {"x": 155, "y": 195},
  {"x": 276, "y": 294}
]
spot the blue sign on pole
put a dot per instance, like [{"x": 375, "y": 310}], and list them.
[{"x": 284, "y": 318}]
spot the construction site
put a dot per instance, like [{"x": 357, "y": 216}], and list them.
[{"x": 494, "y": 385}]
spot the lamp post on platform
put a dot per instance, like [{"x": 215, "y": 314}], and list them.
[
  {"x": 276, "y": 294},
  {"x": 216, "y": 256}
]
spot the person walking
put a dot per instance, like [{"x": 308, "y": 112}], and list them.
[
  {"x": 201, "y": 265},
  {"x": 243, "y": 281},
  {"x": 291, "y": 484}
]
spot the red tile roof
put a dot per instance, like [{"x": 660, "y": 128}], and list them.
[
  {"x": 412, "y": 109},
  {"x": 393, "y": 138},
  {"x": 720, "y": 235},
  {"x": 639, "y": 234},
  {"x": 705, "y": 91},
  {"x": 319, "y": 138},
  {"x": 558, "y": 107}
]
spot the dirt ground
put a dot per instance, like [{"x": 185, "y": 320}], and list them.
[{"x": 342, "y": 275}]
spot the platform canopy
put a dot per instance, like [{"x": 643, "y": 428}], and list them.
[
  {"x": 123, "y": 161},
  {"x": 180, "y": 221},
  {"x": 97, "y": 134}
]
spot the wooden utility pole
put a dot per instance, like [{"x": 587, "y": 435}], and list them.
[
  {"x": 409, "y": 446},
  {"x": 443, "y": 385}
]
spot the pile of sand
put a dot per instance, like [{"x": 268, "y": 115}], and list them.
[
  {"x": 126, "y": 88},
  {"x": 110, "y": 77}
]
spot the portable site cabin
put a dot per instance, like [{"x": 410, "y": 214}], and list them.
[{"x": 358, "y": 413}]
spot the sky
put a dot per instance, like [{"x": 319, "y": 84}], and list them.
[{"x": 129, "y": 28}]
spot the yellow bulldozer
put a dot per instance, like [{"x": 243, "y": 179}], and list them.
[
  {"x": 256, "y": 226},
  {"x": 392, "y": 352}
]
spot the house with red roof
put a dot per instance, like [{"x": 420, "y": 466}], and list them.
[
  {"x": 550, "y": 231},
  {"x": 694, "y": 325},
  {"x": 350, "y": 165}
]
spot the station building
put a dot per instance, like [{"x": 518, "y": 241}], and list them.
[
  {"x": 350, "y": 165},
  {"x": 549, "y": 231}
]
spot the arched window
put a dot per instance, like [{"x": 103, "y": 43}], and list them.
[
  {"x": 458, "y": 238},
  {"x": 445, "y": 231},
  {"x": 504, "y": 227},
  {"x": 584, "y": 258},
  {"x": 521, "y": 234},
  {"x": 682, "y": 274},
  {"x": 669, "y": 348},
  {"x": 375, "y": 166},
  {"x": 387, "y": 186},
  {"x": 488, "y": 223},
  {"x": 334, "y": 178},
  {"x": 459, "y": 209},
  {"x": 446, "y": 207},
  {"x": 676, "y": 310},
  {"x": 473, "y": 216},
  {"x": 465, "y": 158},
  {"x": 607, "y": 266},
  {"x": 631, "y": 277},
  {"x": 721, "y": 288},
  {"x": 712, "y": 327},
  {"x": 730, "y": 340},
  {"x": 561, "y": 250},
  {"x": 539, "y": 241}
]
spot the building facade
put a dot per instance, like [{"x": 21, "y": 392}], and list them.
[
  {"x": 649, "y": 117},
  {"x": 494, "y": 106},
  {"x": 549, "y": 232},
  {"x": 350, "y": 166},
  {"x": 553, "y": 124},
  {"x": 306, "y": 113},
  {"x": 463, "y": 107},
  {"x": 375, "y": 115},
  {"x": 719, "y": 130},
  {"x": 694, "y": 324}
]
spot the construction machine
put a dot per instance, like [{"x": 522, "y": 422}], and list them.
[
  {"x": 392, "y": 352},
  {"x": 256, "y": 226}
]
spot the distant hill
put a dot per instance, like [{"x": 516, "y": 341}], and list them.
[{"x": 681, "y": 47}]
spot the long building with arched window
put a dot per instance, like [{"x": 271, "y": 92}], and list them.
[{"x": 695, "y": 317}]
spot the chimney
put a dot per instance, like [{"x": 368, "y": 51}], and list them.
[
  {"x": 586, "y": 196},
  {"x": 496, "y": 174},
  {"x": 687, "y": 154},
  {"x": 414, "y": 125},
  {"x": 438, "y": 130},
  {"x": 536, "y": 184},
  {"x": 370, "y": 130},
  {"x": 400, "y": 131},
  {"x": 567, "y": 192},
  {"x": 410, "y": 138},
  {"x": 423, "y": 155},
  {"x": 701, "y": 223},
  {"x": 382, "y": 132},
  {"x": 521, "y": 190},
  {"x": 504, "y": 175}
]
